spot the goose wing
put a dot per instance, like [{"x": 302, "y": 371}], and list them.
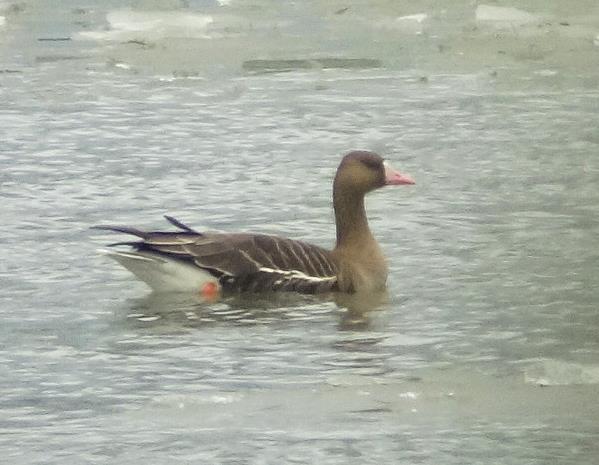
[{"x": 243, "y": 262}]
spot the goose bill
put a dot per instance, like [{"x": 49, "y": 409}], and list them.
[{"x": 394, "y": 177}]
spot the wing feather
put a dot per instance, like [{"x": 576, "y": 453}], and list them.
[{"x": 244, "y": 262}]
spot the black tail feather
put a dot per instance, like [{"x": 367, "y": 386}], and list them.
[
  {"x": 175, "y": 222},
  {"x": 123, "y": 229},
  {"x": 134, "y": 244}
]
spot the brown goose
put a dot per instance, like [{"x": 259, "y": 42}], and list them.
[{"x": 210, "y": 262}]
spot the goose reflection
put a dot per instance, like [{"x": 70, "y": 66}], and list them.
[{"x": 353, "y": 311}]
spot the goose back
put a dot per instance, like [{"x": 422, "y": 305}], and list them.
[{"x": 244, "y": 262}]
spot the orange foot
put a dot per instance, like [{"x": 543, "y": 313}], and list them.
[{"x": 210, "y": 291}]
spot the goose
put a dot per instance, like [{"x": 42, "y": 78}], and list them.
[{"x": 214, "y": 263}]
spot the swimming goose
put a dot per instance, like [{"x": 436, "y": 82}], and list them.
[{"x": 240, "y": 262}]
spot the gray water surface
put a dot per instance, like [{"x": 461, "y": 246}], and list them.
[{"x": 485, "y": 349}]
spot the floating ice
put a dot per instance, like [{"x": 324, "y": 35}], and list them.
[
  {"x": 418, "y": 18},
  {"x": 500, "y": 14},
  {"x": 546, "y": 72},
  {"x": 411, "y": 23},
  {"x": 561, "y": 373},
  {"x": 122, "y": 65},
  {"x": 152, "y": 25},
  {"x": 2, "y": 21},
  {"x": 316, "y": 63}
]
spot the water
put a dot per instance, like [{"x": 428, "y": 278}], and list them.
[{"x": 486, "y": 349}]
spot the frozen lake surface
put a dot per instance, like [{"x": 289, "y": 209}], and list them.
[{"x": 233, "y": 116}]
